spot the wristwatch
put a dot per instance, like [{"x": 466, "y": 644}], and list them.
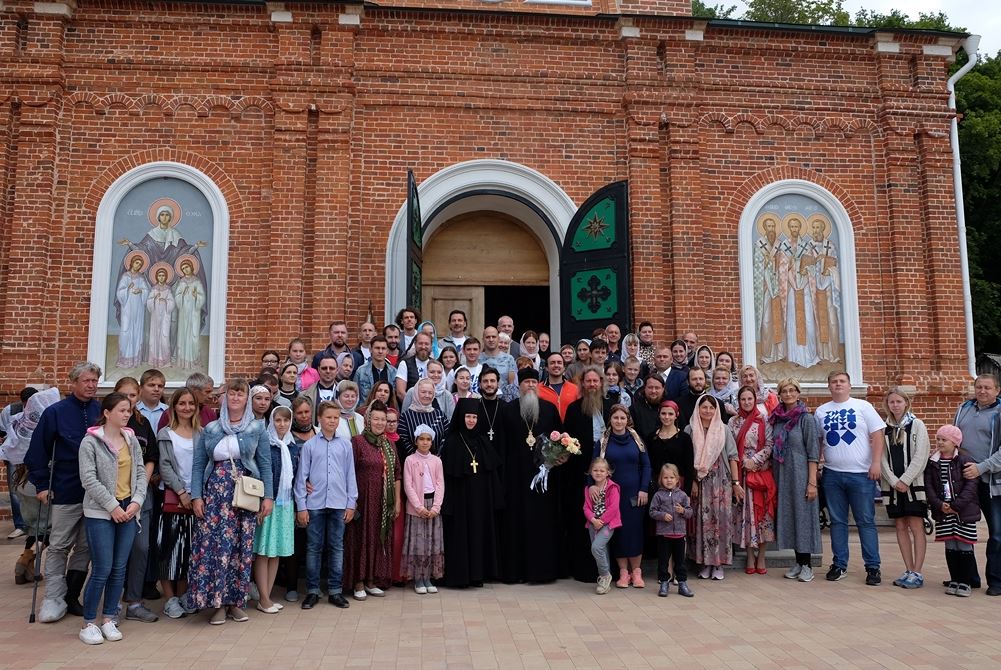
[{"x": 736, "y": 482}]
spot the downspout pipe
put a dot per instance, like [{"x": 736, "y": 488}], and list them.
[{"x": 970, "y": 46}]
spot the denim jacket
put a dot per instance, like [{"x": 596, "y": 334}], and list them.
[{"x": 255, "y": 456}]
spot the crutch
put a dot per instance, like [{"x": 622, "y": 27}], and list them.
[{"x": 39, "y": 531}]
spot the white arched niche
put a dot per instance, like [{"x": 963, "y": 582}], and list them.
[
  {"x": 104, "y": 244},
  {"x": 485, "y": 185},
  {"x": 841, "y": 223}
]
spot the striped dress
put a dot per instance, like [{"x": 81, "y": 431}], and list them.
[{"x": 951, "y": 528}]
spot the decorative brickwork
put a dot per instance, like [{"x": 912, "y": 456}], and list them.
[{"x": 307, "y": 117}]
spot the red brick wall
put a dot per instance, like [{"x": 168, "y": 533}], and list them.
[{"x": 308, "y": 128}]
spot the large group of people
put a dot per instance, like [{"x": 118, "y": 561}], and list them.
[{"x": 414, "y": 457}]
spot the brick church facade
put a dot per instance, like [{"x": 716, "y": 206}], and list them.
[{"x": 304, "y": 118}]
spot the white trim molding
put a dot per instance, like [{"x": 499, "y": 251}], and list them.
[
  {"x": 104, "y": 241},
  {"x": 849, "y": 287},
  {"x": 477, "y": 185}
]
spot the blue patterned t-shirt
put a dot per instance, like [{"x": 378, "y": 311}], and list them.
[{"x": 844, "y": 433}]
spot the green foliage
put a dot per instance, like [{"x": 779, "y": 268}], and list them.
[
  {"x": 810, "y": 12},
  {"x": 898, "y": 19},
  {"x": 978, "y": 99},
  {"x": 718, "y": 11}
]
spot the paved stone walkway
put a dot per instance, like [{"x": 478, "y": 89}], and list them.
[{"x": 742, "y": 622}]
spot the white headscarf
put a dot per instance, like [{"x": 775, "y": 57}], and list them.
[{"x": 284, "y": 493}]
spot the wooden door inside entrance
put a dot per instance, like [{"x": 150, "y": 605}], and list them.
[
  {"x": 473, "y": 251},
  {"x": 438, "y": 301}
]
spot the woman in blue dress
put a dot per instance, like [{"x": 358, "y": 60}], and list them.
[{"x": 630, "y": 465}]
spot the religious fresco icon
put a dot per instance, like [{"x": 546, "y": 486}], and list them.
[
  {"x": 159, "y": 303},
  {"x": 799, "y": 325}
]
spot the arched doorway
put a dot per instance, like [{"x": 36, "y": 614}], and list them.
[
  {"x": 487, "y": 264},
  {"x": 533, "y": 199}
]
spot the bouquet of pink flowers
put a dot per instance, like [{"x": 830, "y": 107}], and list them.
[{"x": 553, "y": 450}]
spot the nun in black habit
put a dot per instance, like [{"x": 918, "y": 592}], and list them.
[{"x": 473, "y": 496}]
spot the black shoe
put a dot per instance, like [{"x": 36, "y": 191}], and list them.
[
  {"x": 150, "y": 592},
  {"x": 337, "y": 600},
  {"x": 993, "y": 590},
  {"x": 872, "y": 577},
  {"x": 836, "y": 574},
  {"x": 75, "y": 580},
  {"x": 310, "y": 601}
]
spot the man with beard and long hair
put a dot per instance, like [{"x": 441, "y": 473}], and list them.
[
  {"x": 529, "y": 546},
  {"x": 584, "y": 421}
]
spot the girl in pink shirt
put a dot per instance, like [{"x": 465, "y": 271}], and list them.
[
  {"x": 602, "y": 519},
  {"x": 424, "y": 486}
]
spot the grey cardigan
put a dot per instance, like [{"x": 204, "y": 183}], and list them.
[
  {"x": 168, "y": 471},
  {"x": 99, "y": 473}
]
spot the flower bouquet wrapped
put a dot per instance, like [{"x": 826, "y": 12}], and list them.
[{"x": 553, "y": 450}]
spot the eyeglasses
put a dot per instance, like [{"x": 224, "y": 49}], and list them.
[{"x": 273, "y": 361}]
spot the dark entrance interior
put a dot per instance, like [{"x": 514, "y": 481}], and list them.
[{"x": 527, "y": 305}]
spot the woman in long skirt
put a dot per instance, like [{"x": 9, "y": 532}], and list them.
[
  {"x": 176, "y": 445},
  {"x": 796, "y": 452},
  {"x": 754, "y": 519},
  {"x": 223, "y": 541},
  {"x": 718, "y": 484}
]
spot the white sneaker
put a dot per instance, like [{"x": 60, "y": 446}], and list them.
[
  {"x": 173, "y": 608},
  {"x": 794, "y": 571},
  {"x": 420, "y": 589},
  {"x": 16, "y": 533},
  {"x": 806, "y": 575},
  {"x": 111, "y": 632},
  {"x": 717, "y": 573},
  {"x": 52, "y": 610},
  {"x": 360, "y": 595},
  {"x": 375, "y": 592},
  {"x": 432, "y": 588},
  {"x": 91, "y": 634}
]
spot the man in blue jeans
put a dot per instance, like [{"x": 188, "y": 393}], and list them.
[
  {"x": 326, "y": 493},
  {"x": 851, "y": 441},
  {"x": 980, "y": 421}
]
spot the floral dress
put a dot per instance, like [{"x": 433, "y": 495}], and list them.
[
  {"x": 222, "y": 545},
  {"x": 754, "y": 519},
  {"x": 711, "y": 535}
]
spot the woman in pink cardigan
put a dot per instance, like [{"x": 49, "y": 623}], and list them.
[
  {"x": 603, "y": 518},
  {"x": 424, "y": 486}
]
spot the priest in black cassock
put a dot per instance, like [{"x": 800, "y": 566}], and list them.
[
  {"x": 491, "y": 423},
  {"x": 584, "y": 421},
  {"x": 473, "y": 497},
  {"x": 529, "y": 547}
]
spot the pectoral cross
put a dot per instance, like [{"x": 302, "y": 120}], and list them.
[
  {"x": 474, "y": 464},
  {"x": 490, "y": 434}
]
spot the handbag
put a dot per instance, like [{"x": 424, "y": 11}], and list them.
[
  {"x": 172, "y": 503},
  {"x": 248, "y": 492}
]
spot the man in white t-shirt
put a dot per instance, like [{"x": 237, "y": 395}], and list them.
[
  {"x": 415, "y": 368},
  {"x": 851, "y": 441}
]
